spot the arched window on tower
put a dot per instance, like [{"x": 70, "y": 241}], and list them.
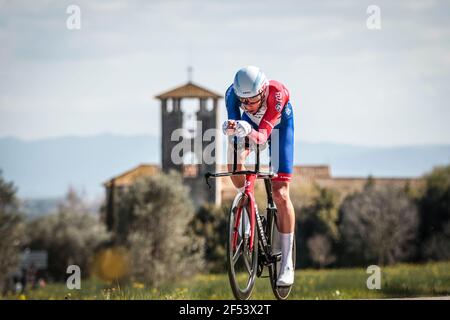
[
  {"x": 190, "y": 108},
  {"x": 209, "y": 105},
  {"x": 169, "y": 106}
]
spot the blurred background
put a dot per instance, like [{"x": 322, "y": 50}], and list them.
[{"x": 80, "y": 118}]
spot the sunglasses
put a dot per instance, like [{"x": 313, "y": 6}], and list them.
[{"x": 251, "y": 100}]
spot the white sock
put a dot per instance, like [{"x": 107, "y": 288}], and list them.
[{"x": 287, "y": 241}]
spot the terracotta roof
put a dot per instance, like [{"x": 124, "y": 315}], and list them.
[
  {"x": 387, "y": 179},
  {"x": 316, "y": 171},
  {"x": 129, "y": 176},
  {"x": 189, "y": 90}
]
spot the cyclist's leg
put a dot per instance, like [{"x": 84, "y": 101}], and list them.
[
  {"x": 282, "y": 156},
  {"x": 239, "y": 181},
  {"x": 282, "y": 159}
]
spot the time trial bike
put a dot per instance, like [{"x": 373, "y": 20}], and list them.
[{"x": 253, "y": 240}]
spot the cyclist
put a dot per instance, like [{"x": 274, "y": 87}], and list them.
[{"x": 267, "y": 117}]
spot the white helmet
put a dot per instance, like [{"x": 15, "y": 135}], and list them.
[{"x": 249, "y": 82}]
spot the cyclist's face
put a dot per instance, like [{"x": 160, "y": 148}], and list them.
[{"x": 251, "y": 104}]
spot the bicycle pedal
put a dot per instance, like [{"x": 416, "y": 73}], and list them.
[{"x": 277, "y": 256}]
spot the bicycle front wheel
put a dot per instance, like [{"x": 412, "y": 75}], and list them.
[{"x": 241, "y": 261}]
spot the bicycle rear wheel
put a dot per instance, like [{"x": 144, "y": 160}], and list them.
[
  {"x": 241, "y": 261},
  {"x": 281, "y": 293}
]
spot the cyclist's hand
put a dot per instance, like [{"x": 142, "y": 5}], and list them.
[
  {"x": 243, "y": 128},
  {"x": 261, "y": 146},
  {"x": 229, "y": 127}
]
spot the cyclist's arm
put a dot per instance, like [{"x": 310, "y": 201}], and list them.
[
  {"x": 275, "y": 104},
  {"x": 233, "y": 111},
  {"x": 232, "y": 104}
]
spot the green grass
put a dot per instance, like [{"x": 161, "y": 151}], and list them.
[{"x": 404, "y": 280}]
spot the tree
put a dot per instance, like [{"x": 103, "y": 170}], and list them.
[
  {"x": 370, "y": 183},
  {"x": 70, "y": 236},
  {"x": 210, "y": 223},
  {"x": 437, "y": 247},
  {"x": 378, "y": 225},
  {"x": 11, "y": 230},
  {"x": 435, "y": 215},
  {"x": 320, "y": 249},
  {"x": 316, "y": 230},
  {"x": 157, "y": 211}
]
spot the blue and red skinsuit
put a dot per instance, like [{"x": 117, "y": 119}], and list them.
[{"x": 275, "y": 113}]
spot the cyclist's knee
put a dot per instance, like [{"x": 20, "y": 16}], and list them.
[{"x": 281, "y": 193}]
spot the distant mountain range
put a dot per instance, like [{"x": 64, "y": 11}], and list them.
[{"x": 45, "y": 168}]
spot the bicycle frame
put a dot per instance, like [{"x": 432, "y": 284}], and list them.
[
  {"x": 264, "y": 256},
  {"x": 250, "y": 178}
]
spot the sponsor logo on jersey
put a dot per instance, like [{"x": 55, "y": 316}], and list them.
[
  {"x": 279, "y": 100},
  {"x": 288, "y": 111},
  {"x": 278, "y": 96}
]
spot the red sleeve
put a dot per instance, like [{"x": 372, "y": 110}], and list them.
[{"x": 278, "y": 98}]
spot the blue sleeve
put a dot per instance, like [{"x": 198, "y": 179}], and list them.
[{"x": 232, "y": 104}]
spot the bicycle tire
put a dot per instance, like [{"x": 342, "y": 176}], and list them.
[
  {"x": 281, "y": 293},
  {"x": 238, "y": 292}
]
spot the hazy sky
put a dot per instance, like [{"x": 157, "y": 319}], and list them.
[{"x": 348, "y": 84}]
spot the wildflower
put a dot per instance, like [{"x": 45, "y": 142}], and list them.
[{"x": 138, "y": 285}]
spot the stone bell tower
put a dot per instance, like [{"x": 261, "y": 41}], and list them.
[{"x": 187, "y": 114}]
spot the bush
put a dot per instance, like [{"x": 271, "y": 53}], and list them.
[
  {"x": 437, "y": 247},
  {"x": 11, "y": 230},
  {"x": 156, "y": 212},
  {"x": 378, "y": 225},
  {"x": 321, "y": 250},
  {"x": 435, "y": 215},
  {"x": 70, "y": 236},
  {"x": 316, "y": 230},
  {"x": 210, "y": 223}
]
